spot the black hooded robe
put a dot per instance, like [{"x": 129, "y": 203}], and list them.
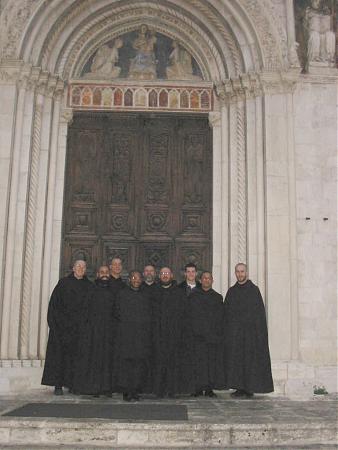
[
  {"x": 206, "y": 317},
  {"x": 96, "y": 343},
  {"x": 131, "y": 372},
  {"x": 66, "y": 311},
  {"x": 172, "y": 360},
  {"x": 247, "y": 356}
]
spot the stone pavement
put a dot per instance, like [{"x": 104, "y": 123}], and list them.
[{"x": 266, "y": 421}]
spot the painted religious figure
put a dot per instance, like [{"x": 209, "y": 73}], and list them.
[
  {"x": 180, "y": 64},
  {"x": 143, "y": 65},
  {"x": 104, "y": 62},
  {"x": 321, "y": 38}
]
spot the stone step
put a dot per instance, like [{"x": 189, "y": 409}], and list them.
[
  {"x": 93, "y": 434},
  {"x": 76, "y": 447}
]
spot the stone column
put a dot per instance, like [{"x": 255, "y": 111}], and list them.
[
  {"x": 11, "y": 113},
  {"x": 255, "y": 191},
  {"x": 34, "y": 239},
  {"x": 16, "y": 217},
  {"x": 238, "y": 188},
  {"x": 217, "y": 204},
  {"x": 51, "y": 257},
  {"x": 292, "y": 223},
  {"x": 278, "y": 216}
]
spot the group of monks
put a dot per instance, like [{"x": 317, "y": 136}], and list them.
[{"x": 154, "y": 336}]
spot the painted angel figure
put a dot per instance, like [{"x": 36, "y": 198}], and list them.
[{"x": 104, "y": 62}]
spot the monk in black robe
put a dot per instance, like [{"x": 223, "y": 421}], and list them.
[
  {"x": 172, "y": 341},
  {"x": 149, "y": 277},
  {"x": 66, "y": 311},
  {"x": 94, "y": 371},
  {"x": 206, "y": 316},
  {"x": 133, "y": 340},
  {"x": 247, "y": 356},
  {"x": 190, "y": 284},
  {"x": 115, "y": 281}
]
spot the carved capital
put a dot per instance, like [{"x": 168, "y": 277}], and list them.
[
  {"x": 9, "y": 72},
  {"x": 214, "y": 119},
  {"x": 59, "y": 90},
  {"x": 234, "y": 90},
  {"x": 279, "y": 83},
  {"x": 67, "y": 116}
]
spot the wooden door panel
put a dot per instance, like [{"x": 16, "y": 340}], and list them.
[
  {"x": 138, "y": 186},
  {"x": 159, "y": 254}
]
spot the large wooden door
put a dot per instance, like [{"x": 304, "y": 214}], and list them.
[{"x": 138, "y": 186}]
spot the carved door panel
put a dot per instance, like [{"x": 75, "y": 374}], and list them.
[{"x": 138, "y": 186}]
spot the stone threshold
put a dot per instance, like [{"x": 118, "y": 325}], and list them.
[{"x": 105, "y": 434}]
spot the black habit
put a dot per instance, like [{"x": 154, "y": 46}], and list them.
[
  {"x": 94, "y": 371},
  {"x": 247, "y": 357},
  {"x": 66, "y": 311},
  {"x": 115, "y": 284},
  {"x": 172, "y": 364},
  {"x": 187, "y": 289},
  {"x": 206, "y": 317},
  {"x": 133, "y": 341}
]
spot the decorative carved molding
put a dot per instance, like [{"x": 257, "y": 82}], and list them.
[
  {"x": 268, "y": 28},
  {"x": 13, "y": 21},
  {"x": 241, "y": 181},
  {"x": 255, "y": 85}
]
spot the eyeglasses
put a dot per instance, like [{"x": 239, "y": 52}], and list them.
[{"x": 165, "y": 273}]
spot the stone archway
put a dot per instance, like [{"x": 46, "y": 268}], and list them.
[{"x": 242, "y": 52}]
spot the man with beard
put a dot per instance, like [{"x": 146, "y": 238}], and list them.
[
  {"x": 94, "y": 372},
  {"x": 66, "y": 311},
  {"x": 190, "y": 283},
  {"x": 172, "y": 352},
  {"x": 115, "y": 281},
  {"x": 206, "y": 317},
  {"x": 133, "y": 340},
  {"x": 149, "y": 276},
  {"x": 247, "y": 356}
]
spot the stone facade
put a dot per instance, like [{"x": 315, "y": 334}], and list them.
[{"x": 274, "y": 167}]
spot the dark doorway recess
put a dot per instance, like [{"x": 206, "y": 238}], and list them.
[{"x": 138, "y": 185}]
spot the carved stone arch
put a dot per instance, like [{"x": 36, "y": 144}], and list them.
[
  {"x": 216, "y": 60},
  {"x": 250, "y": 33},
  {"x": 106, "y": 35}
]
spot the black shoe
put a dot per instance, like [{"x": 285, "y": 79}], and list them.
[
  {"x": 238, "y": 394},
  {"x": 248, "y": 394},
  {"x": 136, "y": 397},
  {"x": 58, "y": 390},
  {"x": 210, "y": 393},
  {"x": 197, "y": 394},
  {"x": 126, "y": 397}
]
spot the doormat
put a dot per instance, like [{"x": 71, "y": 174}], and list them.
[{"x": 99, "y": 411}]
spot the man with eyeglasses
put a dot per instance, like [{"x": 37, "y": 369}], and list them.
[{"x": 172, "y": 366}]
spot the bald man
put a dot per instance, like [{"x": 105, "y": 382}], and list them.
[
  {"x": 247, "y": 356},
  {"x": 171, "y": 366},
  {"x": 93, "y": 374}
]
